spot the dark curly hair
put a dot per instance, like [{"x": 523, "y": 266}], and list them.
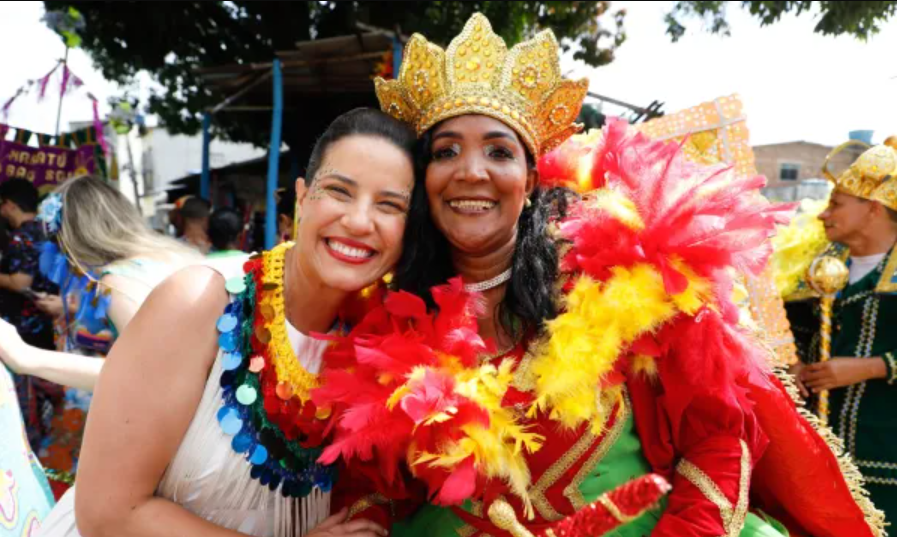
[{"x": 529, "y": 299}]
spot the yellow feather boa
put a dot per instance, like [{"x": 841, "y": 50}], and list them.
[
  {"x": 600, "y": 319},
  {"x": 797, "y": 244}
]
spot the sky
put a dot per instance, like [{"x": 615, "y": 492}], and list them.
[
  {"x": 795, "y": 84},
  {"x": 29, "y": 50}
]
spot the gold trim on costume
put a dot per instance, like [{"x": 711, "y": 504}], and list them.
[
  {"x": 476, "y": 508},
  {"x": 875, "y": 518},
  {"x": 366, "y": 502},
  {"x": 881, "y": 480},
  {"x": 892, "y": 366},
  {"x": 562, "y": 465},
  {"x": 572, "y": 491},
  {"x": 524, "y": 380},
  {"x": 878, "y": 465},
  {"x": 885, "y": 283},
  {"x": 732, "y": 516},
  {"x": 555, "y": 472},
  {"x": 609, "y": 504}
]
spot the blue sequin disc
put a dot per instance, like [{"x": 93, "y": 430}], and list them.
[
  {"x": 231, "y": 361},
  {"x": 231, "y": 424},
  {"x": 227, "y": 322},
  {"x": 242, "y": 442},
  {"x": 246, "y": 395},
  {"x": 227, "y": 379},
  {"x": 259, "y": 455},
  {"x": 255, "y": 472},
  {"x": 228, "y": 341},
  {"x": 265, "y": 478}
]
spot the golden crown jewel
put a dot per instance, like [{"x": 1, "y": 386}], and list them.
[
  {"x": 477, "y": 74},
  {"x": 872, "y": 176}
]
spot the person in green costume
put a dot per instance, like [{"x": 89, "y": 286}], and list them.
[{"x": 861, "y": 222}]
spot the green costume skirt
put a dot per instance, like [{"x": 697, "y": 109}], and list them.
[{"x": 622, "y": 463}]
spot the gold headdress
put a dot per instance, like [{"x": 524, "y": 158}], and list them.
[
  {"x": 477, "y": 74},
  {"x": 873, "y": 176}
]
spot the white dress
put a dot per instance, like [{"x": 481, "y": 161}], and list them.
[{"x": 211, "y": 480}]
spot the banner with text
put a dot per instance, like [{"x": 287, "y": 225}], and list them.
[{"x": 55, "y": 160}]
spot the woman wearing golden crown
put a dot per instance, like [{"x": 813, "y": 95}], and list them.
[{"x": 566, "y": 346}]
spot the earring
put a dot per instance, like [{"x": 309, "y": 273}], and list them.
[{"x": 528, "y": 203}]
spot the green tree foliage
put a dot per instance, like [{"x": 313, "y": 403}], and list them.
[
  {"x": 859, "y": 19},
  {"x": 170, "y": 39}
]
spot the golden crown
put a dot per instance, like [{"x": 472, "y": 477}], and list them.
[
  {"x": 477, "y": 74},
  {"x": 872, "y": 176}
]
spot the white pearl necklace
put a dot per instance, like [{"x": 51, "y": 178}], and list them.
[{"x": 488, "y": 284}]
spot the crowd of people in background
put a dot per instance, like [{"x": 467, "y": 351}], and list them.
[{"x": 70, "y": 282}]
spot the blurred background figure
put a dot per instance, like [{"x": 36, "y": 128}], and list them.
[
  {"x": 20, "y": 281},
  {"x": 23, "y": 484},
  {"x": 286, "y": 214},
  {"x": 191, "y": 222},
  {"x": 106, "y": 260},
  {"x": 225, "y": 232}
]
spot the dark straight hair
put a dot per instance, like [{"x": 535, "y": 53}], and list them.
[
  {"x": 530, "y": 297},
  {"x": 361, "y": 121}
]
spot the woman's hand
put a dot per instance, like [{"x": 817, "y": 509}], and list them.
[
  {"x": 13, "y": 351},
  {"x": 337, "y": 525},
  {"x": 50, "y": 305}
]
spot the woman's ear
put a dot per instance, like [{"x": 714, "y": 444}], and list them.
[
  {"x": 301, "y": 193},
  {"x": 532, "y": 179},
  {"x": 284, "y": 223}
]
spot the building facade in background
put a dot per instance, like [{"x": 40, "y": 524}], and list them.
[
  {"x": 793, "y": 170},
  {"x": 161, "y": 157}
]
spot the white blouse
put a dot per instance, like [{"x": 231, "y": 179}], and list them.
[{"x": 211, "y": 480}]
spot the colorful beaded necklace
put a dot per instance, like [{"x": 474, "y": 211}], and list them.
[{"x": 267, "y": 409}]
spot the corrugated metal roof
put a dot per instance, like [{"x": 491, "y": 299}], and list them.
[{"x": 343, "y": 64}]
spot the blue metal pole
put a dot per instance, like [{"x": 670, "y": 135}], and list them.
[
  {"x": 206, "y": 140},
  {"x": 274, "y": 158},
  {"x": 396, "y": 56}
]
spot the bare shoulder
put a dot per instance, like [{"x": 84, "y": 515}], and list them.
[
  {"x": 148, "y": 393},
  {"x": 178, "y": 316},
  {"x": 194, "y": 283}
]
